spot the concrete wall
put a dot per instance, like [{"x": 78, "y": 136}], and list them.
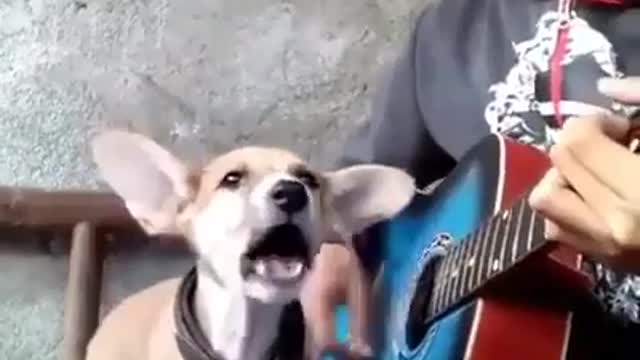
[{"x": 199, "y": 76}]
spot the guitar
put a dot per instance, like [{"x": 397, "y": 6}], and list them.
[{"x": 467, "y": 273}]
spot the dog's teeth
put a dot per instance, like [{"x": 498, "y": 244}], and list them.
[
  {"x": 294, "y": 267},
  {"x": 284, "y": 270},
  {"x": 261, "y": 268},
  {"x": 279, "y": 268}
]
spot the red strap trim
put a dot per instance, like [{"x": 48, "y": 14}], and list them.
[
  {"x": 556, "y": 73},
  {"x": 607, "y": 2},
  {"x": 564, "y": 9}
]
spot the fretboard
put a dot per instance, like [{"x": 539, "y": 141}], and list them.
[{"x": 493, "y": 248}]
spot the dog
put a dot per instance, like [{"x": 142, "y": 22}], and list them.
[{"x": 255, "y": 217}]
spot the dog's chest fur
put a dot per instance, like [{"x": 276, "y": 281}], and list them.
[{"x": 254, "y": 332}]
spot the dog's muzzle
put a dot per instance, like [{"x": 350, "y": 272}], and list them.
[
  {"x": 289, "y": 196},
  {"x": 281, "y": 256}
]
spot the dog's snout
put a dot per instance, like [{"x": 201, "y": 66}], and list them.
[{"x": 290, "y": 196}]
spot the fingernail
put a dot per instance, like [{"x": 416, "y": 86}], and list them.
[{"x": 608, "y": 85}]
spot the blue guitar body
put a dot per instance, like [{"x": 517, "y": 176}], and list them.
[{"x": 484, "y": 326}]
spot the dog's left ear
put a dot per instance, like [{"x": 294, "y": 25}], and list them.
[
  {"x": 152, "y": 182},
  {"x": 363, "y": 195}
]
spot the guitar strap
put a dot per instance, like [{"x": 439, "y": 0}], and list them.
[{"x": 565, "y": 10}]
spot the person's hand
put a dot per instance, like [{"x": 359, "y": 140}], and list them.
[
  {"x": 337, "y": 278},
  {"x": 591, "y": 196}
]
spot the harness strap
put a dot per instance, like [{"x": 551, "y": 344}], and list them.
[{"x": 193, "y": 344}]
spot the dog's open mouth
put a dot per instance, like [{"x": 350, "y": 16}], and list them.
[{"x": 282, "y": 255}]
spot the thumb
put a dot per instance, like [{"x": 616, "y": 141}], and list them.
[
  {"x": 325, "y": 289},
  {"x": 625, "y": 90},
  {"x": 319, "y": 308},
  {"x": 360, "y": 306}
]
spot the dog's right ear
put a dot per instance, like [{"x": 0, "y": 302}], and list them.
[
  {"x": 152, "y": 182},
  {"x": 363, "y": 195}
]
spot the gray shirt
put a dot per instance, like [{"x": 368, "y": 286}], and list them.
[{"x": 476, "y": 66}]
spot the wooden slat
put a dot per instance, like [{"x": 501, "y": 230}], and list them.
[
  {"x": 36, "y": 207},
  {"x": 82, "y": 298}
]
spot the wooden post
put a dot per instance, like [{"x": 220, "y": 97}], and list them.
[
  {"x": 37, "y": 207},
  {"x": 82, "y": 299}
]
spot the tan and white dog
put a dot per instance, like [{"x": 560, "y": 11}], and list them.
[{"x": 255, "y": 217}]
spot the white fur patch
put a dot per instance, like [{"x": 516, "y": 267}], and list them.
[
  {"x": 235, "y": 219},
  {"x": 221, "y": 233}
]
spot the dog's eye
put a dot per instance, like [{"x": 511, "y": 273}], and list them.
[
  {"x": 231, "y": 179},
  {"x": 308, "y": 178}
]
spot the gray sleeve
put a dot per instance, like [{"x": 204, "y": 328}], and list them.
[{"x": 396, "y": 134}]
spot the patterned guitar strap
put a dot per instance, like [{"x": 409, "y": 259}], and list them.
[
  {"x": 618, "y": 293},
  {"x": 565, "y": 11}
]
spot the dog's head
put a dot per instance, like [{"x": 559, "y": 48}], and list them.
[{"x": 255, "y": 215}]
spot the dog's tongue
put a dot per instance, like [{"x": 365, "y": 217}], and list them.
[{"x": 279, "y": 269}]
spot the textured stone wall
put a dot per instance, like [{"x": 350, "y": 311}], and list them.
[
  {"x": 32, "y": 288},
  {"x": 200, "y": 76}
]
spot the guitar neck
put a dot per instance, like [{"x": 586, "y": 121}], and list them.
[{"x": 498, "y": 245}]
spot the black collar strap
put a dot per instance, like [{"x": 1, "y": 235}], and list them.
[{"x": 193, "y": 344}]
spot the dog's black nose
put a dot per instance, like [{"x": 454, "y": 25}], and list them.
[{"x": 290, "y": 196}]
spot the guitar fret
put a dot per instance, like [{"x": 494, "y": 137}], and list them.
[
  {"x": 454, "y": 273},
  {"x": 467, "y": 244},
  {"x": 481, "y": 258},
  {"x": 437, "y": 291},
  {"x": 492, "y": 264},
  {"x": 532, "y": 221},
  {"x": 437, "y": 286},
  {"x": 505, "y": 239},
  {"x": 516, "y": 235},
  {"x": 523, "y": 233},
  {"x": 444, "y": 283},
  {"x": 495, "y": 246},
  {"x": 472, "y": 262},
  {"x": 432, "y": 304}
]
